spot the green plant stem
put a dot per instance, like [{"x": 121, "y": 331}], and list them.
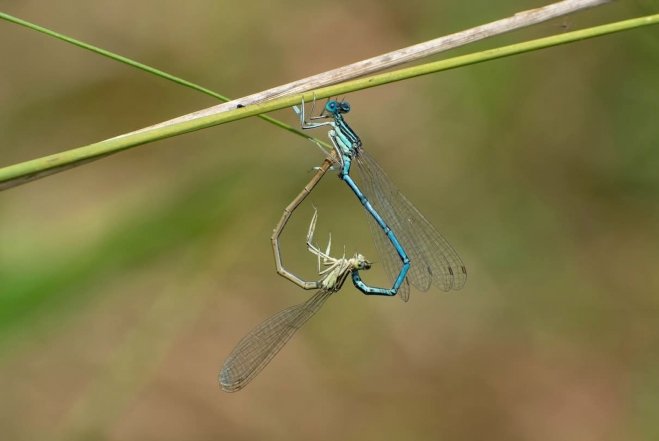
[
  {"x": 146, "y": 68},
  {"x": 34, "y": 169}
]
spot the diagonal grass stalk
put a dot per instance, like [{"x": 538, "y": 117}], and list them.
[{"x": 18, "y": 174}]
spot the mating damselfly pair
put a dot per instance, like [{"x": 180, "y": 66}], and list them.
[{"x": 411, "y": 250}]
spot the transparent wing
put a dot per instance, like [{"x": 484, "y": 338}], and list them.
[
  {"x": 432, "y": 258},
  {"x": 255, "y": 351},
  {"x": 388, "y": 254}
]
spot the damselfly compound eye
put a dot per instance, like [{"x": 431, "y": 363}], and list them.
[{"x": 332, "y": 106}]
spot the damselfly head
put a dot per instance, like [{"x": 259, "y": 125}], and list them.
[
  {"x": 335, "y": 107},
  {"x": 360, "y": 262}
]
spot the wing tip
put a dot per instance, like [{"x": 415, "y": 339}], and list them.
[{"x": 231, "y": 386}]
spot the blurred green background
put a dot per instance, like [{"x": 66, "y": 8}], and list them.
[{"x": 125, "y": 283}]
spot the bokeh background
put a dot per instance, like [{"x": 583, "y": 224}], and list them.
[{"x": 125, "y": 283}]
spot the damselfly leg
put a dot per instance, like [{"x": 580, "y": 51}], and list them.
[{"x": 258, "y": 348}]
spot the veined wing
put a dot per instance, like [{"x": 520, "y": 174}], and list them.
[
  {"x": 391, "y": 260},
  {"x": 257, "y": 348},
  {"x": 432, "y": 257},
  {"x": 388, "y": 254}
]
